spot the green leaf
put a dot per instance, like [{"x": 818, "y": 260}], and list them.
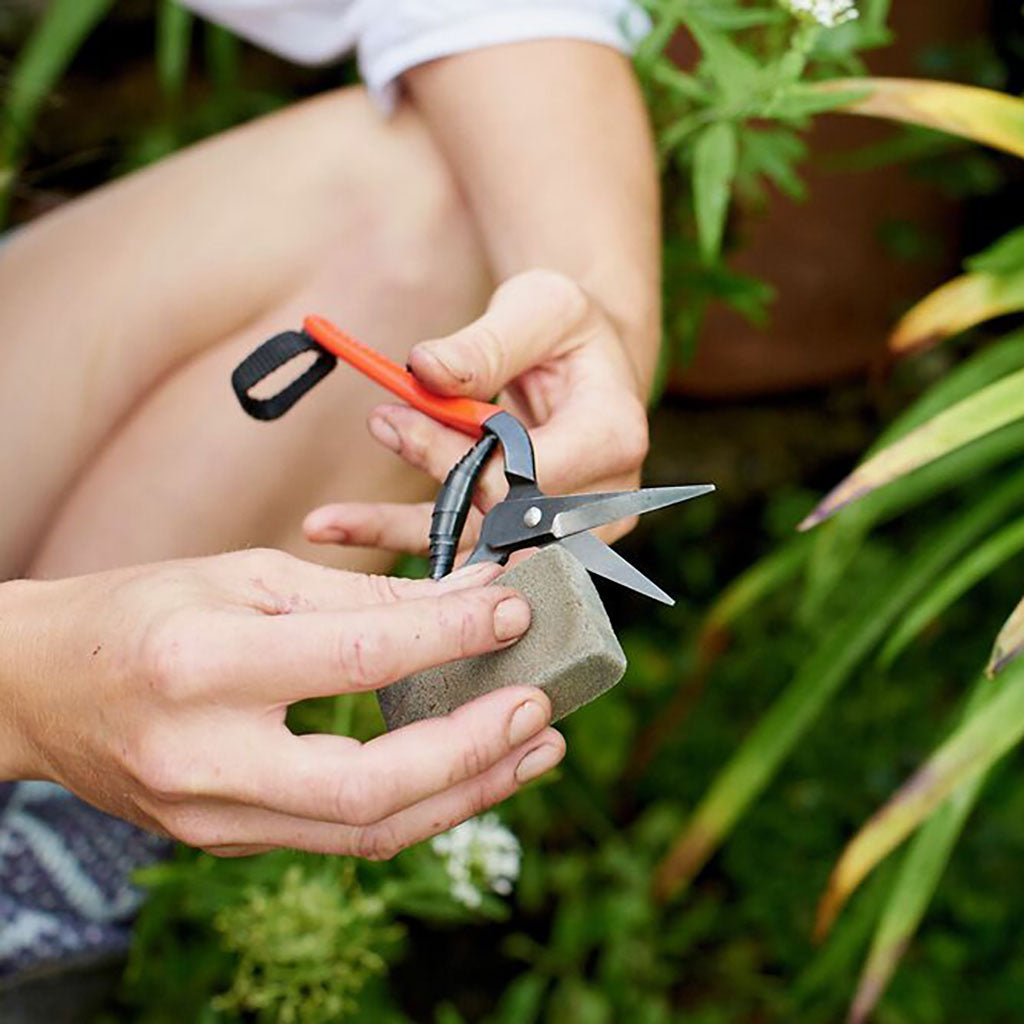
[
  {"x": 802, "y": 99},
  {"x": 521, "y": 1002},
  {"x": 995, "y": 406},
  {"x": 774, "y": 154},
  {"x": 842, "y": 648},
  {"x": 1009, "y": 642},
  {"x": 984, "y": 115},
  {"x": 987, "y": 734},
  {"x": 735, "y": 72},
  {"x": 1004, "y": 257},
  {"x": 763, "y": 578},
  {"x": 54, "y": 41},
  {"x": 973, "y": 568},
  {"x": 838, "y": 541},
  {"x": 918, "y": 877},
  {"x": 956, "y": 306},
  {"x": 173, "y": 45},
  {"x": 714, "y": 168}
]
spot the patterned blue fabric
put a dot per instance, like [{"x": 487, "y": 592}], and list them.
[{"x": 65, "y": 876}]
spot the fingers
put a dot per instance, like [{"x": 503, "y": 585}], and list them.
[
  {"x": 597, "y": 435},
  {"x": 390, "y": 526},
  {"x": 275, "y": 583},
  {"x": 336, "y": 779},
  {"x": 243, "y": 830},
  {"x": 281, "y": 659},
  {"x": 434, "y": 448},
  {"x": 531, "y": 317}
]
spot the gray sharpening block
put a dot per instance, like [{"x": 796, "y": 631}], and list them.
[{"x": 570, "y": 650}]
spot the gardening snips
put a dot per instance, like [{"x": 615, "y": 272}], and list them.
[{"x": 526, "y": 518}]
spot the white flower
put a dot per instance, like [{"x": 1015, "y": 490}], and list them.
[
  {"x": 825, "y": 12},
  {"x": 479, "y": 854}
]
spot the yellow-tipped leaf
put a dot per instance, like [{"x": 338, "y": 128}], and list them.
[
  {"x": 964, "y": 302},
  {"x": 982, "y": 413},
  {"x": 993, "y": 118}
]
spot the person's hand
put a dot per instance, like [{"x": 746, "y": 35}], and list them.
[
  {"x": 556, "y": 361},
  {"x": 159, "y": 694}
]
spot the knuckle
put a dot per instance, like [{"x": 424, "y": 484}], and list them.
[
  {"x": 171, "y": 665},
  {"x": 633, "y": 438},
  {"x": 361, "y": 658},
  {"x": 475, "y": 759},
  {"x": 483, "y": 794},
  {"x": 259, "y": 560},
  {"x": 382, "y": 588},
  {"x": 192, "y": 832},
  {"x": 353, "y": 801},
  {"x": 154, "y": 765},
  {"x": 491, "y": 349},
  {"x": 563, "y": 298},
  {"x": 378, "y": 842}
]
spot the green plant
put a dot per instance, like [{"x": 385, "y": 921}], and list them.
[
  {"x": 310, "y": 937},
  {"x": 972, "y": 424}
]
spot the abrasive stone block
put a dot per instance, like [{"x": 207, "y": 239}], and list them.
[{"x": 570, "y": 650}]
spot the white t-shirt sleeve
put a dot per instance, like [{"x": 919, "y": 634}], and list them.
[
  {"x": 392, "y": 36},
  {"x": 397, "y": 35}
]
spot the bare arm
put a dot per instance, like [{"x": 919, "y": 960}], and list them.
[{"x": 550, "y": 144}]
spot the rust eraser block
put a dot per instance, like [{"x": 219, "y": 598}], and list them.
[{"x": 570, "y": 650}]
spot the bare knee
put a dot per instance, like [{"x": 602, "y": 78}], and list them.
[{"x": 404, "y": 228}]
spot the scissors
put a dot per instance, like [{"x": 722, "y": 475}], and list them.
[{"x": 526, "y": 518}]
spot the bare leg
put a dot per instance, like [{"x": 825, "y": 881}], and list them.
[{"x": 122, "y": 315}]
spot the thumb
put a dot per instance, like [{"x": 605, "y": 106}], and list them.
[{"x": 531, "y": 318}]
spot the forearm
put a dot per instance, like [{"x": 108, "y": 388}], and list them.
[{"x": 551, "y": 145}]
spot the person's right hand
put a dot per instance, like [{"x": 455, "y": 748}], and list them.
[{"x": 159, "y": 693}]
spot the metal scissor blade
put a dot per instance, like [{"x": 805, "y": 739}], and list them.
[
  {"x": 607, "y": 508},
  {"x": 599, "y": 559}
]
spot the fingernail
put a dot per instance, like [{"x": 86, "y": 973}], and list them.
[
  {"x": 511, "y": 618},
  {"x": 322, "y": 528},
  {"x": 385, "y": 433},
  {"x": 448, "y": 360},
  {"x": 527, "y": 720},
  {"x": 537, "y": 762}
]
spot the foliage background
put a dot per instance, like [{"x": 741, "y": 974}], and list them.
[{"x": 586, "y": 938}]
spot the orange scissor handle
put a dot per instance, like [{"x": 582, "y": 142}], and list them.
[{"x": 465, "y": 414}]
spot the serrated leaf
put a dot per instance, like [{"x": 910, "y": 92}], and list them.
[
  {"x": 964, "y": 302},
  {"x": 982, "y": 413},
  {"x": 973, "y": 747},
  {"x": 734, "y": 71},
  {"x": 984, "y": 115},
  {"x": 1009, "y": 642},
  {"x": 774, "y": 154},
  {"x": 714, "y": 169}
]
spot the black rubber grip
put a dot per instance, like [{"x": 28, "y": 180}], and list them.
[
  {"x": 270, "y": 356},
  {"x": 453, "y": 504}
]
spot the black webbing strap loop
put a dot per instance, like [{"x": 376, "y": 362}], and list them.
[{"x": 271, "y": 356}]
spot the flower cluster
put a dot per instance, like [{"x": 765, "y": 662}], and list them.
[
  {"x": 479, "y": 854},
  {"x": 825, "y": 12}
]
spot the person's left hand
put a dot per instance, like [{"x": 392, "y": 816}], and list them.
[{"x": 555, "y": 360}]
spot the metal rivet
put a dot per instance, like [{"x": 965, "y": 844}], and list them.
[{"x": 532, "y": 516}]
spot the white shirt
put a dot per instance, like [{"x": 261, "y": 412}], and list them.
[{"x": 391, "y": 36}]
